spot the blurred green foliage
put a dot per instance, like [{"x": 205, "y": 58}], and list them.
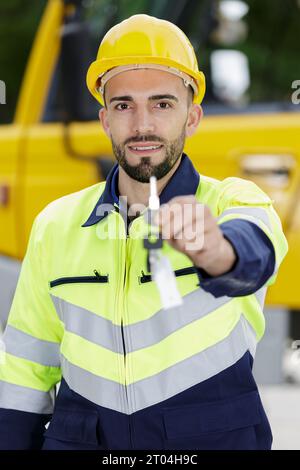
[
  {"x": 19, "y": 20},
  {"x": 273, "y": 48}
]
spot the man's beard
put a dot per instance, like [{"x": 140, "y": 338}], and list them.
[{"x": 145, "y": 168}]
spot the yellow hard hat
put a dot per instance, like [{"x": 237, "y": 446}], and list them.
[{"x": 143, "y": 41}]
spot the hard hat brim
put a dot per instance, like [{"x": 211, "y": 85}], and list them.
[{"x": 99, "y": 67}]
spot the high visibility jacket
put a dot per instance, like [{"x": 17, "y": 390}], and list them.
[{"x": 87, "y": 315}]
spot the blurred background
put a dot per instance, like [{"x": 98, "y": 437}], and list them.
[{"x": 51, "y": 143}]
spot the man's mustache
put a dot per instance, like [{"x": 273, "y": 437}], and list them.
[{"x": 144, "y": 138}]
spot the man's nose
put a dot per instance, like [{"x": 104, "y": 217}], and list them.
[{"x": 143, "y": 122}]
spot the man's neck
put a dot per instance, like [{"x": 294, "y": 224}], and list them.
[{"x": 138, "y": 193}]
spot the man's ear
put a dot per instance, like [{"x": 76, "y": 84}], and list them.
[
  {"x": 195, "y": 115},
  {"x": 103, "y": 117}
]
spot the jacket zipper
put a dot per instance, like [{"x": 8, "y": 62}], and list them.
[
  {"x": 179, "y": 272},
  {"x": 80, "y": 279},
  {"x": 122, "y": 286},
  {"x": 126, "y": 390},
  {"x": 124, "y": 347}
]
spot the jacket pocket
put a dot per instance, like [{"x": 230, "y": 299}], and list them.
[
  {"x": 79, "y": 428},
  {"x": 80, "y": 279},
  {"x": 178, "y": 272},
  {"x": 227, "y": 424}
]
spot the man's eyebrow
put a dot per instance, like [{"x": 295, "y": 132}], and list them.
[
  {"x": 151, "y": 98},
  {"x": 163, "y": 97},
  {"x": 121, "y": 98}
]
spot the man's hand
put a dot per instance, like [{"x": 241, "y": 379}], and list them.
[{"x": 190, "y": 227}]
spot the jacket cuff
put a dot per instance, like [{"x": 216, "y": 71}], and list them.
[{"x": 254, "y": 264}]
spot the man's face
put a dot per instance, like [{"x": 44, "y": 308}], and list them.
[{"x": 148, "y": 114}]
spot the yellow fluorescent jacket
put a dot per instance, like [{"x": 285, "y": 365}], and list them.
[{"x": 106, "y": 332}]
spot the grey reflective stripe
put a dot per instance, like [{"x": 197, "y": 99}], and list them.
[
  {"x": 255, "y": 212},
  {"x": 28, "y": 347},
  {"x": 101, "y": 391},
  {"x": 249, "y": 336},
  {"x": 260, "y": 296},
  {"x": 196, "y": 305},
  {"x": 171, "y": 381},
  {"x": 143, "y": 334},
  {"x": 19, "y": 398},
  {"x": 196, "y": 369},
  {"x": 88, "y": 325}
]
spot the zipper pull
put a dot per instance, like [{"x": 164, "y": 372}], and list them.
[
  {"x": 97, "y": 274},
  {"x": 99, "y": 277}
]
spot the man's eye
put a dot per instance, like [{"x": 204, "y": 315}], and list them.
[
  {"x": 122, "y": 106},
  {"x": 163, "y": 105}
]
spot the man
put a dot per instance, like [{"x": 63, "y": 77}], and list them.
[{"x": 87, "y": 313}]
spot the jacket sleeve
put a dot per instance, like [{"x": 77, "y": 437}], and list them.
[
  {"x": 30, "y": 365},
  {"x": 250, "y": 223}
]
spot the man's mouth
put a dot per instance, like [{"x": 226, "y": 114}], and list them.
[{"x": 141, "y": 149}]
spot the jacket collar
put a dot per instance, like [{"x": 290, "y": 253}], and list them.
[{"x": 183, "y": 182}]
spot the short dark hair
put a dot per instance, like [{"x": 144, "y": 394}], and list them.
[
  {"x": 104, "y": 98},
  {"x": 190, "y": 95}
]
